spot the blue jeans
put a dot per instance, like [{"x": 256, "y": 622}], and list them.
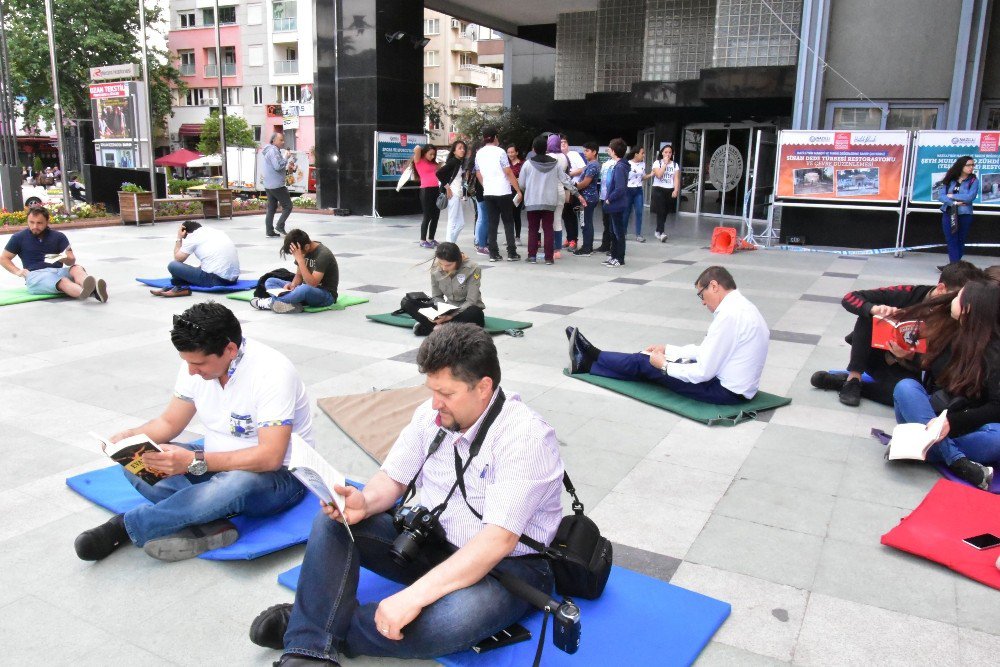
[
  {"x": 189, "y": 500},
  {"x": 619, "y": 226},
  {"x": 956, "y": 241},
  {"x": 635, "y": 202},
  {"x": 588, "y": 225},
  {"x": 182, "y": 275},
  {"x": 913, "y": 406},
  {"x": 626, "y": 366},
  {"x": 44, "y": 281},
  {"x": 327, "y": 618},
  {"x": 482, "y": 224},
  {"x": 307, "y": 295}
]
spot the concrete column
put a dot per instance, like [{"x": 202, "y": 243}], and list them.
[
  {"x": 807, "y": 106},
  {"x": 970, "y": 53}
]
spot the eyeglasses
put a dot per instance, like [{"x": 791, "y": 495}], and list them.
[
  {"x": 700, "y": 293},
  {"x": 178, "y": 320}
]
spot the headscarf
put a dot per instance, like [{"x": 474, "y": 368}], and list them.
[{"x": 553, "y": 144}]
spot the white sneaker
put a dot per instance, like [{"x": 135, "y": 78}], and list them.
[
  {"x": 612, "y": 263},
  {"x": 261, "y": 304}
]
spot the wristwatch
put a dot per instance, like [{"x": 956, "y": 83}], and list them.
[
  {"x": 663, "y": 368},
  {"x": 198, "y": 466}
]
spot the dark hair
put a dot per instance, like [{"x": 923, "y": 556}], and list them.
[
  {"x": 464, "y": 349},
  {"x": 449, "y": 252},
  {"x": 717, "y": 273},
  {"x": 426, "y": 148},
  {"x": 665, "y": 147},
  {"x": 955, "y": 275},
  {"x": 296, "y": 236},
  {"x": 966, "y": 371},
  {"x": 618, "y": 147},
  {"x": 490, "y": 133},
  {"x": 956, "y": 171},
  {"x": 992, "y": 273},
  {"x": 562, "y": 135},
  {"x": 454, "y": 145},
  {"x": 206, "y": 327},
  {"x": 190, "y": 225},
  {"x": 632, "y": 152},
  {"x": 540, "y": 144},
  {"x": 591, "y": 146},
  {"x": 518, "y": 152},
  {"x": 38, "y": 210}
]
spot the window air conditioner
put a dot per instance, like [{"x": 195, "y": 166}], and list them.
[
  {"x": 455, "y": 24},
  {"x": 212, "y": 101},
  {"x": 175, "y": 136}
]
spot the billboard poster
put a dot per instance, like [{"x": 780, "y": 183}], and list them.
[
  {"x": 936, "y": 151},
  {"x": 392, "y": 152},
  {"x": 841, "y": 166},
  {"x": 119, "y": 117}
]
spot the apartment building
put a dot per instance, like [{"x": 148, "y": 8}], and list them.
[
  {"x": 463, "y": 68},
  {"x": 267, "y": 67}
]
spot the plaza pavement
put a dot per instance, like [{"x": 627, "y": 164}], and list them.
[{"x": 780, "y": 517}]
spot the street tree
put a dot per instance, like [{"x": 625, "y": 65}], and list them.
[
  {"x": 510, "y": 122},
  {"x": 238, "y": 133}
]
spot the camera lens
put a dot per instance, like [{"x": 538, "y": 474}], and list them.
[{"x": 404, "y": 548}]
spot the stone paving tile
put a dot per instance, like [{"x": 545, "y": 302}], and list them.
[
  {"x": 554, "y": 309},
  {"x": 835, "y": 274},
  {"x": 645, "y": 562},
  {"x": 374, "y": 289},
  {"x": 629, "y": 281},
  {"x": 794, "y": 337},
  {"x": 819, "y": 298}
]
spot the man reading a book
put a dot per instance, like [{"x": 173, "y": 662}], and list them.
[
  {"x": 885, "y": 367},
  {"x": 219, "y": 262},
  {"x": 250, "y": 400},
  {"x": 724, "y": 369},
  {"x": 47, "y": 260},
  {"x": 511, "y": 487},
  {"x": 315, "y": 282}
]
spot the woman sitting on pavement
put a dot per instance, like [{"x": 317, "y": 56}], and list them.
[
  {"x": 455, "y": 284},
  {"x": 963, "y": 376}
]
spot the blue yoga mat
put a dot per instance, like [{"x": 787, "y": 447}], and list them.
[
  {"x": 238, "y": 286},
  {"x": 108, "y": 488},
  {"x": 638, "y": 621},
  {"x": 864, "y": 376}
]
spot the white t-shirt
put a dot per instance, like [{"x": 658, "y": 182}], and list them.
[
  {"x": 669, "y": 173},
  {"x": 490, "y": 162},
  {"x": 575, "y": 162},
  {"x": 264, "y": 389},
  {"x": 214, "y": 250},
  {"x": 636, "y": 171}
]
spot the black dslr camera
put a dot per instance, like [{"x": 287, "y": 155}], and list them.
[
  {"x": 415, "y": 524},
  {"x": 566, "y": 627}
]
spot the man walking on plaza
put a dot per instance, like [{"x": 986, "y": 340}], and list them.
[
  {"x": 275, "y": 165},
  {"x": 494, "y": 172}
]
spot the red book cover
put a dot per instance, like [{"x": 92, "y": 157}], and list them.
[{"x": 906, "y": 334}]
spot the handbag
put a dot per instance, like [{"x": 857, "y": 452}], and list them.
[
  {"x": 942, "y": 400},
  {"x": 442, "y": 200}
]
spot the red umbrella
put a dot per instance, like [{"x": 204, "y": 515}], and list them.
[{"x": 178, "y": 158}]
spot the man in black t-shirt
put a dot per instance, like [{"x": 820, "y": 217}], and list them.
[
  {"x": 315, "y": 282},
  {"x": 886, "y": 368}
]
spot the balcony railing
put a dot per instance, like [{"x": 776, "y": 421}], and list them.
[
  {"x": 228, "y": 69},
  {"x": 286, "y": 66},
  {"x": 187, "y": 70},
  {"x": 285, "y": 24}
]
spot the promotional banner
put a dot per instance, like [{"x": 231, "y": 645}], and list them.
[
  {"x": 120, "y": 124},
  {"x": 936, "y": 152},
  {"x": 842, "y": 166},
  {"x": 392, "y": 152}
]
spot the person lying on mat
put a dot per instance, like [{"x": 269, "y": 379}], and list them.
[
  {"x": 250, "y": 400},
  {"x": 215, "y": 252},
  {"x": 963, "y": 376},
  {"x": 315, "y": 282},
  {"x": 512, "y": 486},
  {"x": 455, "y": 285},
  {"x": 724, "y": 369},
  {"x": 47, "y": 260},
  {"x": 886, "y": 368}
]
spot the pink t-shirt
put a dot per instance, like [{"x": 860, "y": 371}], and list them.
[{"x": 427, "y": 171}]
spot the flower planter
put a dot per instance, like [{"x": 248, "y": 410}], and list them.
[
  {"x": 218, "y": 203},
  {"x": 136, "y": 207}
]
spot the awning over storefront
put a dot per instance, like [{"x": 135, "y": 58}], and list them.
[
  {"x": 190, "y": 130},
  {"x": 177, "y": 158}
]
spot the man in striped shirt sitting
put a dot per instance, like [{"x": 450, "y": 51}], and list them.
[{"x": 511, "y": 487}]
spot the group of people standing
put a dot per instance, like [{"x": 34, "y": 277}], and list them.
[{"x": 549, "y": 187}]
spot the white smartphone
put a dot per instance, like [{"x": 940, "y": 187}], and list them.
[{"x": 984, "y": 541}]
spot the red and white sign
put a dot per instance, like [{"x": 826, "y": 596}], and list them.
[
  {"x": 989, "y": 142},
  {"x": 402, "y": 140},
  {"x": 100, "y": 91},
  {"x": 126, "y": 71},
  {"x": 842, "y": 141}
]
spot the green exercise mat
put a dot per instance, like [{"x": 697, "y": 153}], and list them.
[
  {"x": 343, "y": 301},
  {"x": 494, "y": 325},
  {"x": 9, "y": 297},
  {"x": 707, "y": 413}
]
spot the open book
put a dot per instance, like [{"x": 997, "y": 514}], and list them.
[
  {"x": 55, "y": 258},
  {"x": 316, "y": 474},
  {"x": 911, "y": 441},
  {"x": 128, "y": 453},
  {"x": 278, "y": 291},
  {"x": 673, "y": 354},
  {"x": 905, "y": 334}
]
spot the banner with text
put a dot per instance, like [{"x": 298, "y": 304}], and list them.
[
  {"x": 392, "y": 152},
  {"x": 842, "y": 166},
  {"x": 935, "y": 153}
]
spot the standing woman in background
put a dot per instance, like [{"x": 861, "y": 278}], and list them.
[
  {"x": 515, "y": 166},
  {"x": 959, "y": 188},
  {"x": 425, "y": 164},
  {"x": 666, "y": 188},
  {"x": 451, "y": 176},
  {"x": 475, "y": 190},
  {"x": 637, "y": 174},
  {"x": 553, "y": 147}
]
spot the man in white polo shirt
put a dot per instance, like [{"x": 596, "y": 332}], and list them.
[
  {"x": 214, "y": 250},
  {"x": 497, "y": 178},
  {"x": 251, "y": 400}
]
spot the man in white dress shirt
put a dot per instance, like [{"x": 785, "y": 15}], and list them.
[
  {"x": 724, "y": 369},
  {"x": 511, "y": 487}
]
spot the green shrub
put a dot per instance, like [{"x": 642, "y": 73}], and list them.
[{"x": 132, "y": 187}]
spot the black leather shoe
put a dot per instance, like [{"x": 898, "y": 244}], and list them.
[
  {"x": 826, "y": 380},
  {"x": 100, "y": 542},
  {"x": 274, "y": 236},
  {"x": 290, "y": 660},
  {"x": 268, "y": 629}
]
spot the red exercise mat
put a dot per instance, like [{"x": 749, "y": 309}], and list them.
[{"x": 950, "y": 513}]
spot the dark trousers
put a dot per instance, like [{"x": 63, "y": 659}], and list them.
[
  {"x": 500, "y": 207},
  {"x": 588, "y": 226},
  {"x": 956, "y": 241},
  {"x": 472, "y": 314},
  {"x": 428, "y": 204},
  {"x": 569, "y": 220},
  {"x": 274, "y": 197},
  {"x": 866, "y": 359},
  {"x": 636, "y": 366},
  {"x": 619, "y": 225},
  {"x": 517, "y": 220},
  {"x": 606, "y": 232},
  {"x": 540, "y": 220}
]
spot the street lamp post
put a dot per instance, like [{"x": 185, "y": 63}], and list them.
[
  {"x": 149, "y": 98},
  {"x": 67, "y": 202},
  {"x": 222, "y": 105}
]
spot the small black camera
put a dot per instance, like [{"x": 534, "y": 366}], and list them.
[
  {"x": 415, "y": 524},
  {"x": 566, "y": 627}
]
